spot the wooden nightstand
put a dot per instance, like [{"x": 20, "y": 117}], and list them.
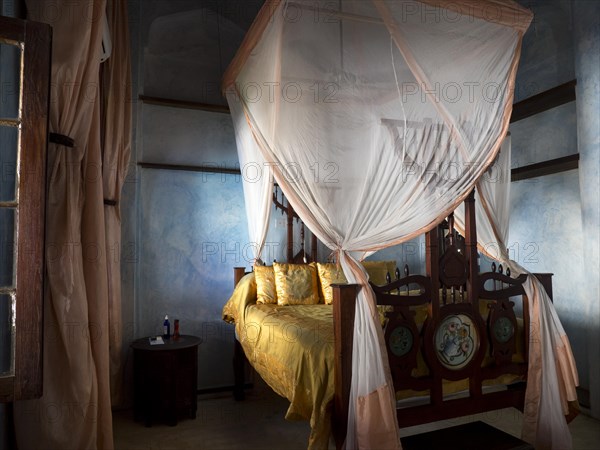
[{"x": 165, "y": 379}]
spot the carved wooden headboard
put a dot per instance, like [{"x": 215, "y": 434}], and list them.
[{"x": 302, "y": 256}]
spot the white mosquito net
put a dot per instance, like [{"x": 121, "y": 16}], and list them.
[
  {"x": 376, "y": 118},
  {"x": 552, "y": 375}
]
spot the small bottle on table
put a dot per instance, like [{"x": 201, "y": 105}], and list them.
[
  {"x": 176, "y": 330},
  {"x": 166, "y": 328}
]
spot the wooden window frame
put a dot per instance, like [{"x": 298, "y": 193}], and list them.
[{"x": 35, "y": 41}]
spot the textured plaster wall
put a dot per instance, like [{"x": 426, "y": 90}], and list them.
[
  {"x": 548, "y": 135},
  {"x": 183, "y": 232},
  {"x": 192, "y": 233},
  {"x": 546, "y": 236},
  {"x": 547, "y": 54},
  {"x": 557, "y": 216},
  {"x": 545, "y": 228},
  {"x": 587, "y": 69}
]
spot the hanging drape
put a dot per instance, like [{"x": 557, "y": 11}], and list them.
[
  {"x": 376, "y": 119},
  {"x": 492, "y": 206},
  {"x": 74, "y": 411},
  {"x": 116, "y": 145},
  {"x": 552, "y": 374},
  {"x": 257, "y": 183}
]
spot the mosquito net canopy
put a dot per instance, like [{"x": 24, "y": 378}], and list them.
[
  {"x": 410, "y": 98},
  {"x": 376, "y": 118}
]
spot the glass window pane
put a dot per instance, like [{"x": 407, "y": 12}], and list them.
[
  {"x": 9, "y": 141},
  {"x": 7, "y": 333},
  {"x": 7, "y": 246},
  {"x": 10, "y": 80}
]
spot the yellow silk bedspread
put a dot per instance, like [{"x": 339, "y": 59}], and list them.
[{"x": 291, "y": 348}]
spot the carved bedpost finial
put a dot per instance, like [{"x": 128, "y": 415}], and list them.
[
  {"x": 508, "y": 271},
  {"x": 397, "y": 275},
  {"x": 388, "y": 278},
  {"x": 451, "y": 229},
  {"x": 406, "y": 271},
  {"x": 494, "y": 270},
  {"x": 500, "y": 269}
]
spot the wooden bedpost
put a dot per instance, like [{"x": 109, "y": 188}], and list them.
[
  {"x": 546, "y": 280},
  {"x": 239, "y": 359},
  {"x": 238, "y": 274},
  {"x": 475, "y": 381},
  {"x": 313, "y": 247},
  {"x": 432, "y": 261},
  {"x": 344, "y": 304},
  {"x": 471, "y": 250}
]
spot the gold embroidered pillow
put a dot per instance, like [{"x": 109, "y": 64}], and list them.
[
  {"x": 265, "y": 285},
  {"x": 378, "y": 270},
  {"x": 296, "y": 284},
  {"x": 329, "y": 274}
]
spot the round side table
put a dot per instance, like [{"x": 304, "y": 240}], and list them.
[{"x": 165, "y": 379}]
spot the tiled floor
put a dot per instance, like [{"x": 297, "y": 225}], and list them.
[{"x": 258, "y": 424}]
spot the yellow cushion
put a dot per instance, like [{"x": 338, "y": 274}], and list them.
[
  {"x": 378, "y": 270},
  {"x": 265, "y": 284},
  {"x": 296, "y": 284},
  {"x": 329, "y": 274}
]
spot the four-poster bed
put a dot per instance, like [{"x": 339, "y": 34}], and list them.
[
  {"x": 422, "y": 95},
  {"x": 434, "y": 379}
]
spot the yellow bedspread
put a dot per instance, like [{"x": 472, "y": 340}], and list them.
[{"x": 291, "y": 347}]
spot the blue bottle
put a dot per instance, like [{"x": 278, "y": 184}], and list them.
[{"x": 166, "y": 328}]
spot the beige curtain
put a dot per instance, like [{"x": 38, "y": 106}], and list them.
[
  {"x": 74, "y": 411},
  {"x": 116, "y": 152}
]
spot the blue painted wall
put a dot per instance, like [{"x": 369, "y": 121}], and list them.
[
  {"x": 586, "y": 27},
  {"x": 192, "y": 233},
  {"x": 547, "y": 58},
  {"x": 189, "y": 137},
  {"x": 546, "y": 236},
  {"x": 183, "y": 232},
  {"x": 547, "y": 213},
  {"x": 546, "y": 228}
]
